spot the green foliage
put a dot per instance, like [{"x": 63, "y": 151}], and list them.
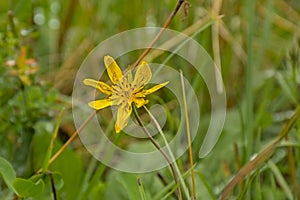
[
  {"x": 260, "y": 59},
  {"x": 27, "y": 188},
  {"x": 128, "y": 187},
  {"x": 7, "y": 172},
  {"x": 51, "y": 145},
  {"x": 34, "y": 187},
  {"x": 69, "y": 165}
]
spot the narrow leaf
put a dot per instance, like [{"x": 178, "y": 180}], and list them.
[{"x": 281, "y": 181}]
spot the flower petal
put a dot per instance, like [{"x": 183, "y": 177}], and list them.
[
  {"x": 123, "y": 115},
  {"x": 154, "y": 88},
  {"x": 113, "y": 70},
  {"x": 140, "y": 94},
  {"x": 139, "y": 102},
  {"x": 142, "y": 76},
  {"x": 99, "y": 104},
  {"x": 103, "y": 87}
]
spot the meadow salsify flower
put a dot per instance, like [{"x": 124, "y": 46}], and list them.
[{"x": 124, "y": 90}]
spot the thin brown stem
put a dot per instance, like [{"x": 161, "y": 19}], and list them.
[
  {"x": 162, "y": 179},
  {"x": 157, "y": 146},
  {"x": 166, "y": 24},
  {"x": 74, "y": 135}
]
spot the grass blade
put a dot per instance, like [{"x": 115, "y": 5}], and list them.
[
  {"x": 51, "y": 145},
  {"x": 280, "y": 179}
]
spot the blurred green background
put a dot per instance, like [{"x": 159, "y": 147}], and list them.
[{"x": 255, "y": 43}]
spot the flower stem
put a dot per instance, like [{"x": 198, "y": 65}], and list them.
[
  {"x": 74, "y": 135},
  {"x": 185, "y": 189},
  {"x": 171, "y": 164},
  {"x": 166, "y": 24}
]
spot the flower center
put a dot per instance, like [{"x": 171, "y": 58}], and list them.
[{"x": 122, "y": 91}]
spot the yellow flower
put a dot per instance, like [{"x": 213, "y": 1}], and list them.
[{"x": 124, "y": 90}]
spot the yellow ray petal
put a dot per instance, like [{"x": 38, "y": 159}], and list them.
[
  {"x": 129, "y": 74},
  {"x": 142, "y": 76},
  {"x": 123, "y": 115},
  {"x": 154, "y": 88},
  {"x": 103, "y": 87},
  {"x": 139, "y": 102},
  {"x": 99, "y": 104},
  {"x": 113, "y": 70},
  {"x": 140, "y": 94}
]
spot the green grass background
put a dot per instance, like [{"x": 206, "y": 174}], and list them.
[{"x": 259, "y": 58}]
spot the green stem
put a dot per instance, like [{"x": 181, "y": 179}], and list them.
[
  {"x": 141, "y": 189},
  {"x": 171, "y": 164},
  {"x": 185, "y": 189}
]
